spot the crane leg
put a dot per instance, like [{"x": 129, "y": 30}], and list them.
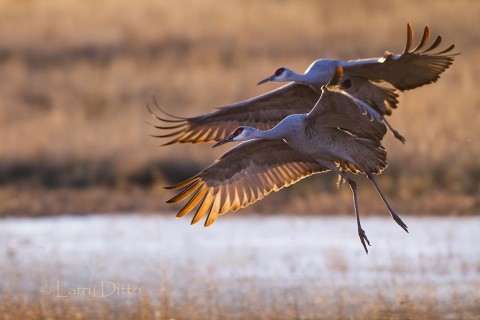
[
  {"x": 361, "y": 232},
  {"x": 396, "y": 134},
  {"x": 395, "y": 216},
  {"x": 353, "y": 186}
]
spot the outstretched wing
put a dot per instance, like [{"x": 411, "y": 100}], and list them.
[
  {"x": 411, "y": 69},
  {"x": 262, "y": 112},
  {"x": 243, "y": 175}
]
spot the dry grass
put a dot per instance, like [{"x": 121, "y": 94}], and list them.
[
  {"x": 75, "y": 77},
  {"x": 246, "y": 299},
  {"x": 199, "y": 298},
  {"x": 280, "y": 307}
]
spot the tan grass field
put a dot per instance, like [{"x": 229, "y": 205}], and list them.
[{"x": 75, "y": 77}]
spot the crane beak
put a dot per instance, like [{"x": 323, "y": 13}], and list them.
[
  {"x": 266, "y": 80},
  {"x": 226, "y": 140}
]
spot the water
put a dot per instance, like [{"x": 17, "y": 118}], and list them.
[{"x": 113, "y": 255}]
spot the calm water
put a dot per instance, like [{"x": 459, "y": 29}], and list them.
[{"x": 125, "y": 256}]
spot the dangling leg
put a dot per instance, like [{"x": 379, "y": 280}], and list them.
[
  {"x": 395, "y": 132},
  {"x": 353, "y": 186},
  {"x": 394, "y": 215},
  {"x": 361, "y": 232}
]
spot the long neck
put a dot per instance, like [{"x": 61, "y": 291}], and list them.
[
  {"x": 276, "y": 133},
  {"x": 299, "y": 78}
]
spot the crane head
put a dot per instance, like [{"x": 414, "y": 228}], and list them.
[
  {"x": 242, "y": 133},
  {"x": 281, "y": 74}
]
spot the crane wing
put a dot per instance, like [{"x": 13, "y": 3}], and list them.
[
  {"x": 380, "y": 95},
  {"x": 338, "y": 109},
  {"x": 243, "y": 175},
  {"x": 411, "y": 69},
  {"x": 262, "y": 112}
]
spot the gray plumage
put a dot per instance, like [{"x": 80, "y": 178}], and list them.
[
  {"x": 373, "y": 81},
  {"x": 339, "y": 134}
]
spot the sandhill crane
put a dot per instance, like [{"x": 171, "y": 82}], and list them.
[
  {"x": 372, "y": 80},
  {"x": 340, "y": 134}
]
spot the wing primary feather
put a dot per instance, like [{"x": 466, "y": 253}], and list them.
[
  {"x": 168, "y": 128},
  {"x": 192, "y": 138},
  {"x": 229, "y": 197},
  {"x": 164, "y": 112},
  {"x": 204, "y": 135},
  {"x": 213, "y": 214},
  {"x": 173, "y": 141},
  {"x": 204, "y": 207},
  {"x": 297, "y": 166},
  {"x": 236, "y": 201},
  {"x": 426, "y": 35},
  {"x": 165, "y": 120},
  {"x": 240, "y": 193},
  {"x": 246, "y": 196},
  {"x": 162, "y": 119},
  {"x": 280, "y": 178},
  {"x": 183, "y": 183},
  {"x": 447, "y": 50},
  {"x": 226, "y": 203},
  {"x": 274, "y": 178},
  {"x": 258, "y": 187},
  {"x": 250, "y": 189},
  {"x": 189, "y": 136},
  {"x": 196, "y": 198},
  {"x": 435, "y": 44},
  {"x": 285, "y": 173},
  {"x": 264, "y": 185},
  {"x": 213, "y": 133},
  {"x": 268, "y": 180},
  {"x": 409, "y": 38},
  {"x": 185, "y": 193}
]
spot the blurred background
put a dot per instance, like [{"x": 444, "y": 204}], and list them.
[
  {"x": 75, "y": 77},
  {"x": 75, "y": 145}
]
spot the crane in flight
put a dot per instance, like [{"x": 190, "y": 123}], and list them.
[
  {"x": 374, "y": 81},
  {"x": 341, "y": 133}
]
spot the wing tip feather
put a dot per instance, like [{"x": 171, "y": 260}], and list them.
[{"x": 183, "y": 183}]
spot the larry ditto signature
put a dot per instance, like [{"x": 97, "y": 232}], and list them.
[{"x": 103, "y": 289}]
